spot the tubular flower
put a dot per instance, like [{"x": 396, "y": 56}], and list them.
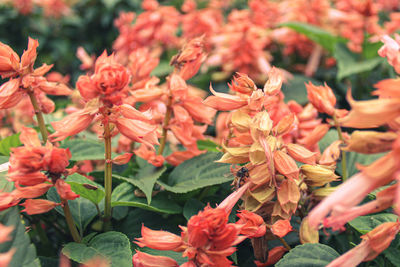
[
  {"x": 208, "y": 238},
  {"x": 353, "y": 191},
  {"x": 34, "y": 169},
  {"x": 141, "y": 259},
  {"x": 372, "y": 244},
  {"x": 25, "y": 79}
]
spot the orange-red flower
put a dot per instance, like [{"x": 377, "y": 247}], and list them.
[
  {"x": 25, "y": 79},
  {"x": 322, "y": 98},
  {"x": 372, "y": 244},
  {"x": 208, "y": 238},
  {"x": 141, "y": 259},
  {"x": 34, "y": 169}
]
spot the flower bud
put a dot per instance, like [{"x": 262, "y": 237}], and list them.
[
  {"x": 322, "y": 98},
  {"x": 307, "y": 233},
  {"x": 370, "y": 142},
  {"x": 241, "y": 83},
  {"x": 318, "y": 175}
]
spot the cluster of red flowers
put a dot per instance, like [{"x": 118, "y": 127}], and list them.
[
  {"x": 34, "y": 169},
  {"x": 207, "y": 240},
  {"x": 51, "y": 8},
  {"x": 244, "y": 41}
]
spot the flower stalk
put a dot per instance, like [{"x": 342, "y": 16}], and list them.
[
  {"x": 167, "y": 118},
  {"x": 341, "y": 138},
  {"x": 43, "y": 131},
  {"x": 70, "y": 221},
  {"x": 39, "y": 116},
  {"x": 107, "y": 176}
]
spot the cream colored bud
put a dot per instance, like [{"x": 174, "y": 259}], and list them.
[{"x": 317, "y": 175}]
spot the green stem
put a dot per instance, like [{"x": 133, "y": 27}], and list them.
[
  {"x": 284, "y": 243},
  {"x": 107, "y": 177},
  {"x": 39, "y": 115},
  {"x": 70, "y": 221},
  {"x": 165, "y": 127},
  {"x": 344, "y": 160}
]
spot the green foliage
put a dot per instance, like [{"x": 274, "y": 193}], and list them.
[
  {"x": 144, "y": 179},
  {"x": 192, "y": 207},
  {"x": 123, "y": 195},
  {"x": 308, "y": 255},
  {"x": 25, "y": 254},
  {"x": 9, "y": 142},
  {"x": 83, "y": 211},
  {"x": 83, "y": 149},
  {"x": 349, "y": 65},
  {"x": 86, "y": 188},
  {"x": 318, "y": 35},
  {"x": 364, "y": 224},
  {"x": 296, "y": 90},
  {"x": 114, "y": 246},
  {"x": 196, "y": 173},
  {"x": 207, "y": 145}
]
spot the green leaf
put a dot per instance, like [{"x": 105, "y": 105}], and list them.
[
  {"x": 207, "y": 145},
  {"x": 192, "y": 207},
  {"x": 86, "y": 188},
  {"x": 113, "y": 246},
  {"x": 123, "y": 195},
  {"x": 392, "y": 254},
  {"x": 84, "y": 149},
  {"x": 318, "y": 35},
  {"x": 9, "y": 142},
  {"x": 364, "y": 224},
  {"x": 145, "y": 179},
  {"x": 83, "y": 210},
  {"x": 330, "y": 137},
  {"x": 353, "y": 158},
  {"x": 349, "y": 65},
  {"x": 25, "y": 254},
  {"x": 197, "y": 172},
  {"x": 308, "y": 255},
  {"x": 295, "y": 88},
  {"x": 162, "y": 69},
  {"x": 109, "y": 4}
]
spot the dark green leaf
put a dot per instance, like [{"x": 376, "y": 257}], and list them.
[
  {"x": 318, "y": 35},
  {"x": 9, "y": 142},
  {"x": 86, "y": 188},
  {"x": 162, "y": 69},
  {"x": 84, "y": 149},
  {"x": 295, "y": 89},
  {"x": 308, "y": 255},
  {"x": 113, "y": 246},
  {"x": 25, "y": 254},
  {"x": 207, "y": 145},
  {"x": 348, "y": 64},
  {"x": 364, "y": 224},
  {"x": 123, "y": 195},
  {"x": 329, "y": 138},
  {"x": 392, "y": 254},
  {"x": 144, "y": 179},
  {"x": 353, "y": 158},
  {"x": 192, "y": 207},
  {"x": 198, "y": 172},
  {"x": 83, "y": 211}
]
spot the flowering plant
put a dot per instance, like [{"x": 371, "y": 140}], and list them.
[{"x": 205, "y": 134}]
